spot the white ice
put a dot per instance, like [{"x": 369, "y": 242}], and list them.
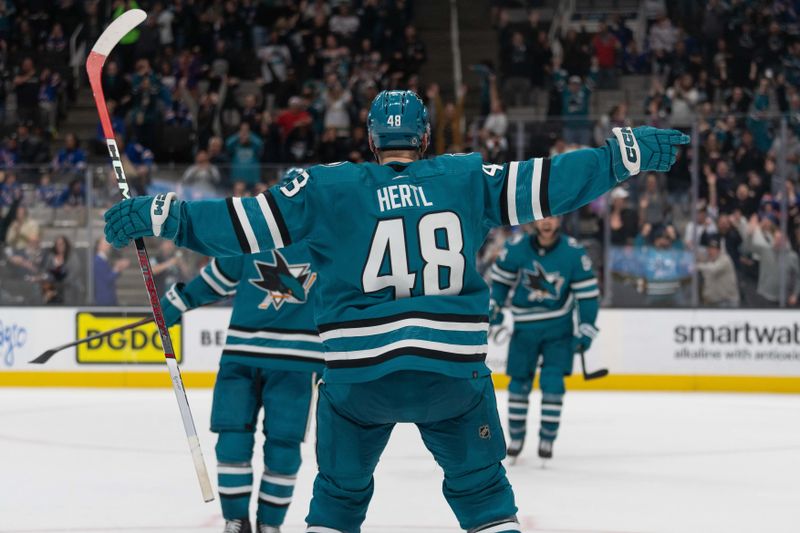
[{"x": 76, "y": 460}]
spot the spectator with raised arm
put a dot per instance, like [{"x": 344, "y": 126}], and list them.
[
  {"x": 765, "y": 241},
  {"x": 244, "y": 149},
  {"x": 605, "y": 47},
  {"x": 203, "y": 176},
  {"x": 720, "y": 286}
]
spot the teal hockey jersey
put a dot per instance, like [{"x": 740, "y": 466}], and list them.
[
  {"x": 395, "y": 248},
  {"x": 548, "y": 283},
  {"x": 272, "y": 323}
]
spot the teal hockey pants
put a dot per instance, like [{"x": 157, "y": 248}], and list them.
[
  {"x": 552, "y": 344},
  {"x": 459, "y": 424},
  {"x": 239, "y": 394}
]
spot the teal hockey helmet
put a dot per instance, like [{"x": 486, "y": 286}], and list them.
[{"x": 397, "y": 120}]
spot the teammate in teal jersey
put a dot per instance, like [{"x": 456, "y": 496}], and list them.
[
  {"x": 271, "y": 359},
  {"x": 403, "y": 311},
  {"x": 550, "y": 275}
]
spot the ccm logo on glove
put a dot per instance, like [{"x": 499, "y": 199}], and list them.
[{"x": 629, "y": 148}]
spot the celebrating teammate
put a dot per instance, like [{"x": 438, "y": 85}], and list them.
[
  {"x": 400, "y": 306},
  {"x": 550, "y": 274},
  {"x": 271, "y": 359}
]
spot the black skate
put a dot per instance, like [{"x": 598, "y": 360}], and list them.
[
  {"x": 546, "y": 449},
  {"x": 514, "y": 449},
  {"x": 263, "y": 528},
  {"x": 240, "y": 525}
]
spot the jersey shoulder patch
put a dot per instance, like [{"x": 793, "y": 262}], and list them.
[{"x": 573, "y": 242}]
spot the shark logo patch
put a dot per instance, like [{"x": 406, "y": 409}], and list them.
[
  {"x": 283, "y": 283},
  {"x": 542, "y": 285}
]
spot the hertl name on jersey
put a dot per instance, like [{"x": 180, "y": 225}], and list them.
[{"x": 402, "y": 195}]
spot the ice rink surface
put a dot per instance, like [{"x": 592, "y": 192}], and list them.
[{"x": 78, "y": 460}]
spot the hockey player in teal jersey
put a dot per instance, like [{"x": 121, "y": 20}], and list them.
[
  {"x": 271, "y": 359},
  {"x": 403, "y": 311},
  {"x": 550, "y": 275}
]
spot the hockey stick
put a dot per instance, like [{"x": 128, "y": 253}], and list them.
[
  {"x": 46, "y": 356},
  {"x": 600, "y": 373},
  {"x": 94, "y": 68}
]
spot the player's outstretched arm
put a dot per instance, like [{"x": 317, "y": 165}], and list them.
[
  {"x": 543, "y": 187},
  {"x": 219, "y": 228},
  {"x": 217, "y": 280}
]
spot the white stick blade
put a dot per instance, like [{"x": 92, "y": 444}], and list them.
[{"x": 117, "y": 30}]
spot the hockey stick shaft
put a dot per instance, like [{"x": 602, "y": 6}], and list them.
[
  {"x": 601, "y": 373},
  {"x": 94, "y": 68},
  {"x": 46, "y": 356}
]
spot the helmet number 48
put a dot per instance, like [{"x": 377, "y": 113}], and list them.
[{"x": 394, "y": 120}]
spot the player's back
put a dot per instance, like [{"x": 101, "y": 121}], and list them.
[{"x": 397, "y": 271}]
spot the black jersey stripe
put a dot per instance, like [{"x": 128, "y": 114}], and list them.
[
  {"x": 234, "y": 496},
  {"x": 272, "y": 504},
  {"x": 287, "y": 239},
  {"x": 281, "y": 357},
  {"x": 441, "y": 317},
  {"x": 544, "y": 186},
  {"x": 237, "y": 226},
  {"x": 504, "y": 198},
  {"x": 411, "y": 350}
]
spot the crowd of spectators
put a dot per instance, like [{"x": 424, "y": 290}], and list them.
[
  {"x": 729, "y": 68},
  {"x": 233, "y": 86},
  {"x": 235, "y": 89}
]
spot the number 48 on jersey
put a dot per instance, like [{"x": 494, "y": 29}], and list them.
[{"x": 441, "y": 249}]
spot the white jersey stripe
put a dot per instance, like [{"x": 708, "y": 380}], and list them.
[
  {"x": 584, "y": 295},
  {"x": 504, "y": 281},
  {"x": 271, "y": 335},
  {"x": 511, "y": 193},
  {"x": 460, "y": 349},
  {"x": 583, "y": 284},
  {"x": 274, "y": 499},
  {"x": 504, "y": 273},
  {"x": 321, "y": 529},
  {"x": 536, "y": 181},
  {"x": 213, "y": 283},
  {"x": 269, "y": 216},
  {"x": 284, "y": 481},
  {"x": 404, "y": 323},
  {"x": 244, "y": 489},
  {"x": 222, "y": 277},
  {"x": 275, "y": 351},
  {"x": 245, "y": 222}
]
